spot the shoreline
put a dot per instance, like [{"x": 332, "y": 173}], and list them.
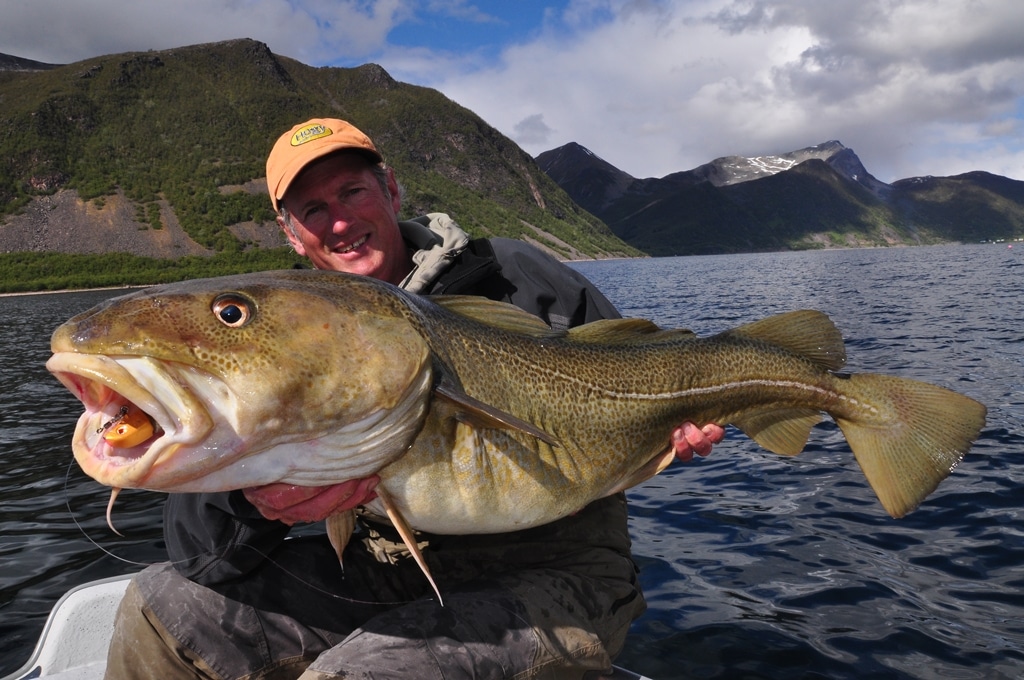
[
  {"x": 604, "y": 259},
  {"x": 75, "y": 290}
]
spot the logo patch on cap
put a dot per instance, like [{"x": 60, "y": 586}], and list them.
[{"x": 310, "y": 132}]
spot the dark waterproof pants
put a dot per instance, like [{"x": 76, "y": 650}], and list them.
[{"x": 528, "y": 610}]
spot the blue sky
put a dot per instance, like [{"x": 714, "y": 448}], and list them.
[
  {"x": 915, "y": 87},
  {"x": 471, "y": 27}
]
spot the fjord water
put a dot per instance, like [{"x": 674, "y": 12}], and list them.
[{"x": 754, "y": 565}]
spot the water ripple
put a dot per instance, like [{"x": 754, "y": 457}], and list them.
[
  {"x": 754, "y": 565},
  {"x": 760, "y": 567}
]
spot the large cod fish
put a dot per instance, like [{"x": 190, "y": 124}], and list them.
[{"x": 477, "y": 416}]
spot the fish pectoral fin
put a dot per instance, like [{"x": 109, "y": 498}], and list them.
[
  {"x": 408, "y": 537},
  {"x": 653, "y": 467},
  {"x": 476, "y": 413},
  {"x": 339, "y": 531},
  {"x": 782, "y": 431}
]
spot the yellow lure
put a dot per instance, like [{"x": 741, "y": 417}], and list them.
[{"x": 131, "y": 430}]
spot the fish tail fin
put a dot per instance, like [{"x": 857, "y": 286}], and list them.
[{"x": 907, "y": 435}]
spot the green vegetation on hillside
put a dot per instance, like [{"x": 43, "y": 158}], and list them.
[
  {"x": 180, "y": 125},
  {"x": 28, "y": 272},
  {"x": 976, "y": 206}
]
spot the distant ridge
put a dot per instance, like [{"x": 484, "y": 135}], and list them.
[
  {"x": 816, "y": 197},
  {"x": 11, "y": 63},
  {"x": 161, "y": 153}
]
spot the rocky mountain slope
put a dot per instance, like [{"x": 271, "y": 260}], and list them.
[
  {"x": 819, "y": 196},
  {"x": 161, "y": 154}
]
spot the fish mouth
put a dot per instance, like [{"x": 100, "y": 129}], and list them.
[{"x": 112, "y": 389}]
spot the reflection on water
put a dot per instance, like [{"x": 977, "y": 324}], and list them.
[{"x": 755, "y": 565}]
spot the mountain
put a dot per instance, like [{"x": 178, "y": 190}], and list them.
[
  {"x": 12, "y": 63},
  {"x": 737, "y": 169},
  {"x": 819, "y": 196},
  {"x": 975, "y": 206},
  {"x": 591, "y": 181},
  {"x": 162, "y": 153}
]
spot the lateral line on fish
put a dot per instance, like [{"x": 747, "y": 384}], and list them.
[{"x": 711, "y": 389}]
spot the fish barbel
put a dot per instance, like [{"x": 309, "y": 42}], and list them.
[{"x": 477, "y": 417}]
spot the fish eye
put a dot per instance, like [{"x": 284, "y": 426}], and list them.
[{"x": 233, "y": 310}]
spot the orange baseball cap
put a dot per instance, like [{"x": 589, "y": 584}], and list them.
[{"x": 305, "y": 143}]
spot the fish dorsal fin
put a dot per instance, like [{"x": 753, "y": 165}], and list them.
[
  {"x": 477, "y": 414},
  {"x": 497, "y": 314},
  {"x": 625, "y": 332},
  {"x": 806, "y": 332}
]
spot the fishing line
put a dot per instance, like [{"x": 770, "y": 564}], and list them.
[
  {"x": 268, "y": 558},
  {"x": 81, "y": 529}
]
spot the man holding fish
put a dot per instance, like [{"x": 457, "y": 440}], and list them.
[{"x": 237, "y": 600}]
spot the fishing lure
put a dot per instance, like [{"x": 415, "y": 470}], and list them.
[{"x": 130, "y": 427}]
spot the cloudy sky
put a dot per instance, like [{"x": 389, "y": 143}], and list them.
[{"x": 915, "y": 87}]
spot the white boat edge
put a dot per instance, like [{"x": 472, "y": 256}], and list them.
[{"x": 74, "y": 641}]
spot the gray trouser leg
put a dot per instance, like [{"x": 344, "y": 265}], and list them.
[
  {"x": 485, "y": 634},
  {"x": 169, "y": 628},
  {"x": 537, "y": 625},
  {"x": 528, "y": 605},
  {"x": 142, "y": 648}
]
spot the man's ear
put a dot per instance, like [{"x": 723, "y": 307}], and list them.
[
  {"x": 396, "y": 195},
  {"x": 296, "y": 243}
]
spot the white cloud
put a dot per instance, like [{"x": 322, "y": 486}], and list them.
[
  {"x": 656, "y": 87},
  {"x": 653, "y": 86},
  {"x": 313, "y": 31},
  {"x": 533, "y": 130},
  {"x": 460, "y": 9}
]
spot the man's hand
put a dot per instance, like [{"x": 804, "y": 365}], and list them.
[
  {"x": 292, "y": 504},
  {"x": 688, "y": 439}
]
